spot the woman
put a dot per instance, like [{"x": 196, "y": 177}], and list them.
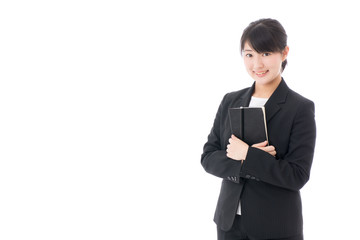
[{"x": 259, "y": 197}]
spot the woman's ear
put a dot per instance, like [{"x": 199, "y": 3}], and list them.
[{"x": 285, "y": 53}]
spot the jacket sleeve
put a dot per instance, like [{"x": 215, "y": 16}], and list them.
[
  {"x": 293, "y": 170},
  {"x": 214, "y": 159}
]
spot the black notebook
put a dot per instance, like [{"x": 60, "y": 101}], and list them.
[{"x": 249, "y": 124}]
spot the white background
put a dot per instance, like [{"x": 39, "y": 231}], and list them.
[{"x": 105, "y": 107}]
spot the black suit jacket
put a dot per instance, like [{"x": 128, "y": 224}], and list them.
[{"x": 268, "y": 186}]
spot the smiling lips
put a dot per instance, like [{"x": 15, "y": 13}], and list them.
[{"x": 261, "y": 74}]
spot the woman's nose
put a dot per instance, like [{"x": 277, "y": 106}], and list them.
[{"x": 258, "y": 63}]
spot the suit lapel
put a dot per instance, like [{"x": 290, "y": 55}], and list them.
[
  {"x": 272, "y": 106},
  {"x": 247, "y": 96},
  {"x": 244, "y": 100}
]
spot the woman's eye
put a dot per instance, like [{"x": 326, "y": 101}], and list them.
[
  {"x": 266, "y": 54},
  {"x": 248, "y": 55}
]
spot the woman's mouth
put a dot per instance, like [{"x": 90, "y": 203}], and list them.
[{"x": 261, "y": 74}]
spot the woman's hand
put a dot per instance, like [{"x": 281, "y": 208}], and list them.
[
  {"x": 236, "y": 149},
  {"x": 262, "y": 146}
]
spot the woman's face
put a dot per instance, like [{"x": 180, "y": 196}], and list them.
[{"x": 264, "y": 68}]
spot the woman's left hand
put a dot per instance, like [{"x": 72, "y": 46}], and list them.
[
  {"x": 264, "y": 146},
  {"x": 236, "y": 149}
]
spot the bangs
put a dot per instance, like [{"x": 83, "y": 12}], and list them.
[{"x": 261, "y": 39}]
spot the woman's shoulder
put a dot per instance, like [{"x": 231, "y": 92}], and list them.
[
  {"x": 236, "y": 94},
  {"x": 298, "y": 103},
  {"x": 297, "y": 97}
]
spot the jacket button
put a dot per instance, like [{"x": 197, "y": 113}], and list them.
[{"x": 248, "y": 176}]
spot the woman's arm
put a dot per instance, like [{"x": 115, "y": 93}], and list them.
[
  {"x": 214, "y": 159},
  {"x": 293, "y": 170}
]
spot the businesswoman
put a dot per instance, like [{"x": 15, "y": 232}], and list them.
[{"x": 259, "y": 196}]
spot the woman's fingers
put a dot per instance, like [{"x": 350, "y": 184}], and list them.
[
  {"x": 273, "y": 153},
  {"x": 262, "y": 144},
  {"x": 269, "y": 149}
]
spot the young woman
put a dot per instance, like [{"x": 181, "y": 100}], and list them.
[{"x": 259, "y": 197}]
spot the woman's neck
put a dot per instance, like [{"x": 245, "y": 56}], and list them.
[{"x": 266, "y": 90}]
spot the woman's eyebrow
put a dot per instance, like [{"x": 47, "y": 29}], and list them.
[{"x": 248, "y": 50}]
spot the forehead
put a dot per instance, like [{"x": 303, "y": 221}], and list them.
[{"x": 248, "y": 47}]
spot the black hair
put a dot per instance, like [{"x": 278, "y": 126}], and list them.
[{"x": 265, "y": 35}]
